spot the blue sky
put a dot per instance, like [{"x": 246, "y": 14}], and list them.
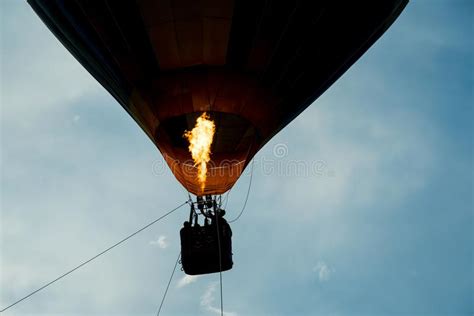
[{"x": 376, "y": 220}]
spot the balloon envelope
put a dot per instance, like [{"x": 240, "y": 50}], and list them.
[{"x": 253, "y": 66}]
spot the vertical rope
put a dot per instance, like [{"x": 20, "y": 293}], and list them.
[{"x": 220, "y": 262}]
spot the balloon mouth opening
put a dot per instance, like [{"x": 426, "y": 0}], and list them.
[{"x": 231, "y": 146}]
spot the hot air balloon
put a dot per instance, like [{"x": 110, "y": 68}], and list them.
[{"x": 211, "y": 81}]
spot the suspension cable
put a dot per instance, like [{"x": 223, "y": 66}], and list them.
[
  {"x": 168, "y": 286},
  {"x": 93, "y": 258},
  {"x": 227, "y": 199},
  {"x": 247, "y": 196}
]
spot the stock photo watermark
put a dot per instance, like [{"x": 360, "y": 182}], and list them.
[{"x": 277, "y": 164}]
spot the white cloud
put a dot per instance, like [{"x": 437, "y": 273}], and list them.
[
  {"x": 207, "y": 301},
  {"x": 323, "y": 271},
  {"x": 187, "y": 279},
  {"x": 76, "y": 118},
  {"x": 160, "y": 242}
]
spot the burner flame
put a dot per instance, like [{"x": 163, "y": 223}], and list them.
[{"x": 200, "y": 140}]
